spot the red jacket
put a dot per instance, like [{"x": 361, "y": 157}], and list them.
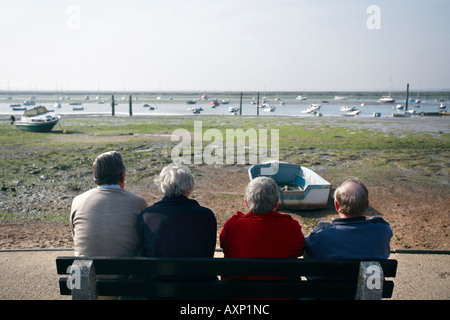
[{"x": 268, "y": 235}]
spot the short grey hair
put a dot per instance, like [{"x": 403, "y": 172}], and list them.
[
  {"x": 175, "y": 180},
  {"x": 352, "y": 196},
  {"x": 108, "y": 168},
  {"x": 261, "y": 195}
]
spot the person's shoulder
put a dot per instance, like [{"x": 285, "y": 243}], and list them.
[
  {"x": 130, "y": 194},
  {"x": 84, "y": 195},
  {"x": 236, "y": 217},
  {"x": 377, "y": 219},
  {"x": 322, "y": 225}
]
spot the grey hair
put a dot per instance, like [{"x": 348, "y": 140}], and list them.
[
  {"x": 108, "y": 168},
  {"x": 352, "y": 196},
  {"x": 175, "y": 180},
  {"x": 261, "y": 195}
]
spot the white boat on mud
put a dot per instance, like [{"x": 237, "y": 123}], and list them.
[
  {"x": 269, "y": 108},
  {"x": 352, "y": 113},
  {"x": 38, "y": 119},
  {"x": 347, "y": 108},
  {"x": 386, "y": 99},
  {"x": 299, "y": 187},
  {"x": 312, "y": 108}
]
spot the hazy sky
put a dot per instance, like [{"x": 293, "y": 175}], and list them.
[{"x": 235, "y": 45}]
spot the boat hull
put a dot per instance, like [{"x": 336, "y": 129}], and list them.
[
  {"x": 300, "y": 188},
  {"x": 36, "y": 127}
]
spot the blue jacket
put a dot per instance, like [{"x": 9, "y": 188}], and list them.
[
  {"x": 177, "y": 227},
  {"x": 350, "y": 238}
]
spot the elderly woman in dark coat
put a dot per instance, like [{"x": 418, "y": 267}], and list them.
[{"x": 177, "y": 226}]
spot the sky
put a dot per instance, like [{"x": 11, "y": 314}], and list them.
[{"x": 224, "y": 45}]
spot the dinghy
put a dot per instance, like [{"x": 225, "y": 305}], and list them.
[{"x": 299, "y": 187}]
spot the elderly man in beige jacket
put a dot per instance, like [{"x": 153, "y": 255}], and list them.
[{"x": 104, "y": 219}]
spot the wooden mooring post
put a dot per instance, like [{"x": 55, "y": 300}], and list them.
[
  {"x": 112, "y": 105},
  {"x": 240, "y": 106},
  {"x": 257, "y": 104},
  {"x": 407, "y": 97},
  {"x": 130, "y": 107}
]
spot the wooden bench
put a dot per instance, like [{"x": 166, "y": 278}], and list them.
[{"x": 84, "y": 280}]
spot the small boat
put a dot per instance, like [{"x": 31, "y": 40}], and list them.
[
  {"x": 352, "y": 113},
  {"x": 191, "y": 102},
  {"x": 18, "y": 107},
  {"x": 75, "y": 103},
  {"x": 38, "y": 119},
  {"x": 225, "y": 101},
  {"x": 57, "y": 105},
  {"x": 81, "y": 108},
  {"x": 269, "y": 108},
  {"x": 195, "y": 110},
  {"x": 386, "y": 99},
  {"x": 339, "y": 98},
  {"x": 301, "y": 97},
  {"x": 299, "y": 187},
  {"x": 442, "y": 106},
  {"x": 399, "y": 107},
  {"x": 377, "y": 114},
  {"x": 312, "y": 108},
  {"x": 29, "y": 103},
  {"x": 347, "y": 108},
  {"x": 204, "y": 97},
  {"x": 214, "y": 104},
  {"x": 233, "y": 109}
]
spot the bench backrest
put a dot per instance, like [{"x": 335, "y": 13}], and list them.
[{"x": 187, "y": 278}]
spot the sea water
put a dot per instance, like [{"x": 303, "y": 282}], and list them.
[{"x": 175, "y": 103}]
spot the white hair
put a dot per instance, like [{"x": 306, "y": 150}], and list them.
[
  {"x": 175, "y": 180},
  {"x": 261, "y": 195}
]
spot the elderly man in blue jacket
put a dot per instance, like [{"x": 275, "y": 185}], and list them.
[{"x": 352, "y": 235}]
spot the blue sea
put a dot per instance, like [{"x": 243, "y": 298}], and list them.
[{"x": 175, "y": 103}]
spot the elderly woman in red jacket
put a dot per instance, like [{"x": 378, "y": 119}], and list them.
[{"x": 263, "y": 232}]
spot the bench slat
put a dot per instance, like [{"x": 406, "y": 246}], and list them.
[
  {"x": 224, "y": 266},
  {"x": 228, "y": 289}
]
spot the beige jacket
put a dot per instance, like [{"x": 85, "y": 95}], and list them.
[{"x": 104, "y": 222}]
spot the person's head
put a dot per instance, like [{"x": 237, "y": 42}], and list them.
[
  {"x": 351, "y": 198},
  {"x": 261, "y": 195},
  {"x": 175, "y": 180},
  {"x": 108, "y": 168}
]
